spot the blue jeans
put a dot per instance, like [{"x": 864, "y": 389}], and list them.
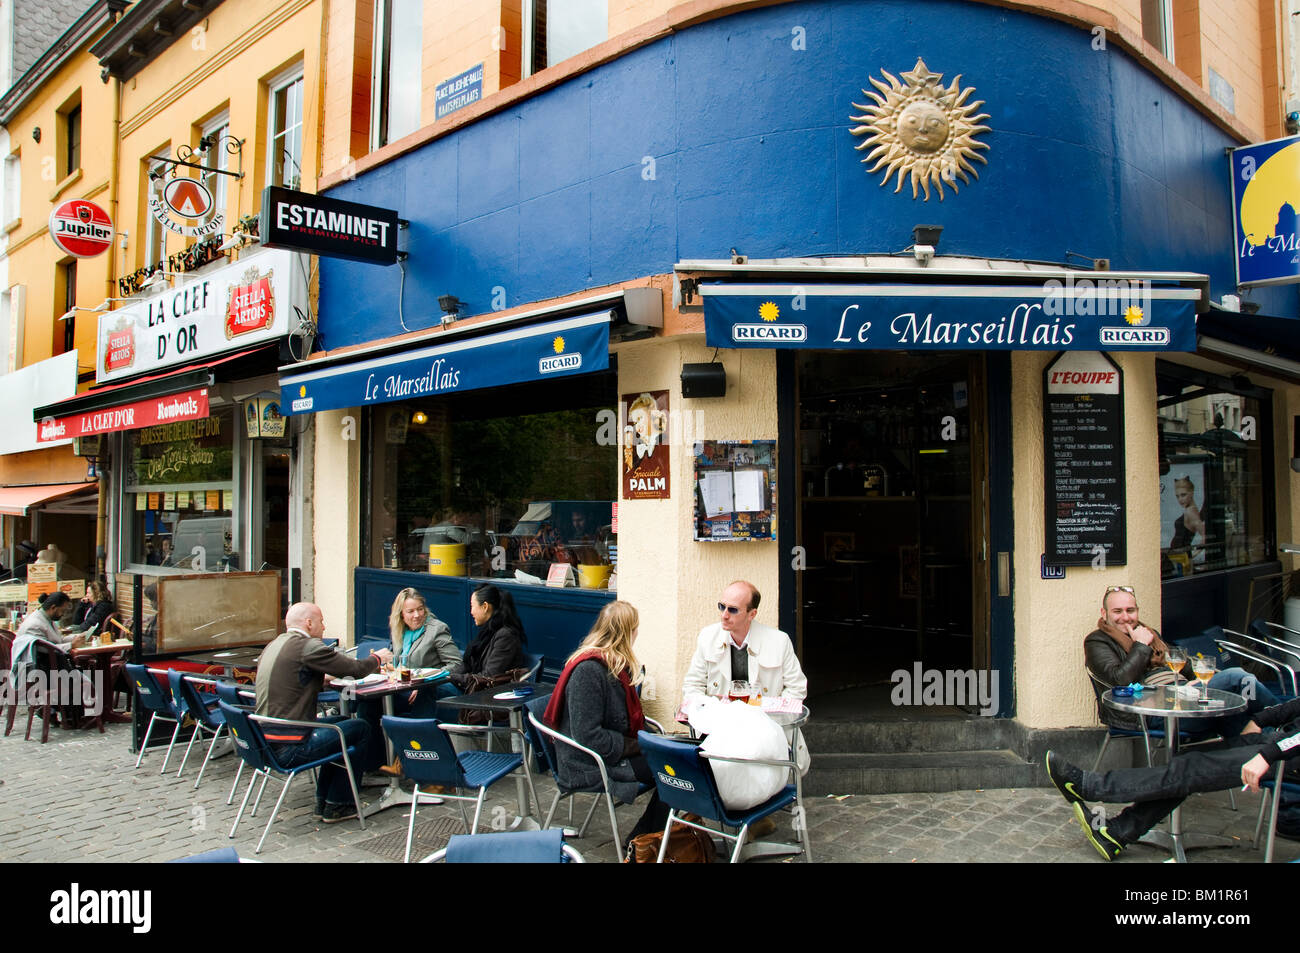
[
  {"x": 1243, "y": 683},
  {"x": 331, "y": 780}
]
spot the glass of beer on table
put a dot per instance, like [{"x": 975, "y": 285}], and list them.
[{"x": 739, "y": 691}]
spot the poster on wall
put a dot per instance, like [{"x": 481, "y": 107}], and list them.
[
  {"x": 1182, "y": 523},
  {"x": 1083, "y": 446},
  {"x": 735, "y": 490},
  {"x": 645, "y": 446}
]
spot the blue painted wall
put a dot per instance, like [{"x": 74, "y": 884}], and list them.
[{"x": 751, "y": 149}]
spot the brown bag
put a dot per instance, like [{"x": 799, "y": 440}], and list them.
[
  {"x": 481, "y": 683},
  {"x": 686, "y": 845}
]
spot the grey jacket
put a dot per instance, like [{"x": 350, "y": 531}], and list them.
[
  {"x": 595, "y": 716},
  {"x": 434, "y": 648}
]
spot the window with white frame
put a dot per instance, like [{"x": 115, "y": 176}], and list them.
[
  {"x": 395, "y": 85},
  {"x": 155, "y": 245},
  {"x": 1158, "y": 25},
  {"x": 12, "y": 188},
  {"x": 284, "y": 131},
  {"x": 559, "y": 29},
  {"x": 215, "y": 134}
]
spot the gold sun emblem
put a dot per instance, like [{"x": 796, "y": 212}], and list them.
[
  {"x": 768, "y": 311},
  {"x": 1133, "y": 315},
  {"x": 558, "y": 345},
  {"x": 922, "y": 129}
]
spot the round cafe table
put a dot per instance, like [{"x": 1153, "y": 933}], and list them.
[{"x": 1163, "y": 703}]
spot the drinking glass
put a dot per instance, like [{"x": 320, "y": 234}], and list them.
[
  {"x": 1204, "y": 668},
  {"x": 739, "y": 691},
  {"x": 1175, "y": 658}
]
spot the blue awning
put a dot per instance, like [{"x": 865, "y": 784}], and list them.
[
  {"x": 559, "y": 348},
  {"x": 1085, "y": 314}
]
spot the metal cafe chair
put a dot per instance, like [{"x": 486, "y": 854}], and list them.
[
  {"x": 543, "y": 739},
  {"x": 428, "y": 758},
  {"x": 511, "y": 847},
  {"x": 685, "y": 783},
  {"x": 241, "y": 696},
  {"x": 160, "y": 702},
  {"x": 1272, "y": 802},
  {"x": 202, "y": 710},
  {"x": 250, "y": 742}
]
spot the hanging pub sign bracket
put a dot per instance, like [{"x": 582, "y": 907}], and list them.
[{"x": 184, "y": 154}]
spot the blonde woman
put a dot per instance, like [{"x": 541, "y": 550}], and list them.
[
  {"x": 595, "y": 703},
  {"x": 420, "y": 640}
]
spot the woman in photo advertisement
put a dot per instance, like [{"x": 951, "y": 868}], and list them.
[{"x": 596, "y": 704}]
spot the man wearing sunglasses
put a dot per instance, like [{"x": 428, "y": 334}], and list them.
[{"x": 737, "y": 647}]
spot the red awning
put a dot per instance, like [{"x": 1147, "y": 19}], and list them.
[{"x": 18, "y": 500}]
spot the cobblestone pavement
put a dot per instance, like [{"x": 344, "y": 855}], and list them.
[{"x": 78, "y": 798}]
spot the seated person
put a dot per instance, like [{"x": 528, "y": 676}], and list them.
[
  {"x": 290, "y": 674},
  {"x": 42, "y": 625},
  {"x": 496, "y": 652},
  {"x": 596, "y": 705},
  {"x": 420, "y": 640},
  {"x": 1122, "y": 650},
  {"x": 95, "y": 607},
  {"x": 1242, "y": 759},
  {"x": 737, "y": 647}
]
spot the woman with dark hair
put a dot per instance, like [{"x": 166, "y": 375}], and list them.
[
  {"x": 94, "y": 608},
  {"x": 499, "y": 645}
]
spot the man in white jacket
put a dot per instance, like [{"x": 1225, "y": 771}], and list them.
[{"x": 737, "y": 647}]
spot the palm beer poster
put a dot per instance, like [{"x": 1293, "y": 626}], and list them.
[{"x": 645, "y": 445}]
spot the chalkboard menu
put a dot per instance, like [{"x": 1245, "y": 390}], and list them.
[{"x": 1083, "y": 439}]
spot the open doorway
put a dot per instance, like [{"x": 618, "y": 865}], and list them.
[{"x": 891, "y": 516}]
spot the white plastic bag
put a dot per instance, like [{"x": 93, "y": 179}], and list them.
[{"x": 737, "y": 730}]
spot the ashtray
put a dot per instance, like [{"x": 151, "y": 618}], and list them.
[{"x": 1123, "y": 691}]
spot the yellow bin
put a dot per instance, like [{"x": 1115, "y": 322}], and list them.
[
  {"x": 593, "y": 576},
  {"x": 448, "y": 559}
]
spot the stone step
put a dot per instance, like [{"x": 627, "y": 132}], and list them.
[
  {"x": 930, "y": 771},
  {"x": 897, "y": 736}
]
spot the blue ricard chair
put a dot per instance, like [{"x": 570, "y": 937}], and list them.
[
  {"x": 428, "y": 758},
  {"x": 685, "y": 783},
  {"x": 544, "y": 740},
  {"x": 203, "y": 711},
  {"x": 160, "y": 703},
  {"x": 241, "y": 696},
  {"x": 510, "y": 847},
  {"x": 250, "y": 742}
]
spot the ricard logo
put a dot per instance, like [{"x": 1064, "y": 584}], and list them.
[
  {"x": 1134, "y": 337},
  {"x": 769, "y": 332},
  {"x": 559, "y": 361},
  {"x": 678, "y": 783}
]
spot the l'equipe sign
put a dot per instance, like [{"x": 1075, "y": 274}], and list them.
[{"x": 326, "y": 226}]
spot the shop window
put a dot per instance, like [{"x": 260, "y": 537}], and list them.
[
  {"x": 490, "y": 482},
  {"x": 564, "y": 28},
  {"x": 284, "y": 132},
  {"x": 399, "y": 33},
  {"x": 1215, "y": 466},
  {"x": 178, "y": 495}
]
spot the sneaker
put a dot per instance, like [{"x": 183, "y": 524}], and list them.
[
  {"x": 339, "y": 812},
  {"x": 319, "y": 811},
  {"x": 1066, "y": 778},
  {"x": 1099, "y": 837}
]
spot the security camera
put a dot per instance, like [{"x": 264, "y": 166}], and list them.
[{"x": 1293, "y": 123}]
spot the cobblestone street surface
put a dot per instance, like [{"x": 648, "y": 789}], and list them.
[{"x": 78, "y": 798}]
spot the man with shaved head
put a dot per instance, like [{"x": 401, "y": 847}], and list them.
[
  {"x": 737, "y": 647},
  {"x": 290, "y": 674}
]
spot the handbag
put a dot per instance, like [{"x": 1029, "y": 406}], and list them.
[{"x": 686, "y": 845}]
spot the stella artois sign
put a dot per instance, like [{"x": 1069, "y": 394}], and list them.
[
  {"x": 250, "y": 305},
  {"x": 119, "y": 352},
  {"x": 80, "y": 228},
  {"x": 185, "y": 206}
]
